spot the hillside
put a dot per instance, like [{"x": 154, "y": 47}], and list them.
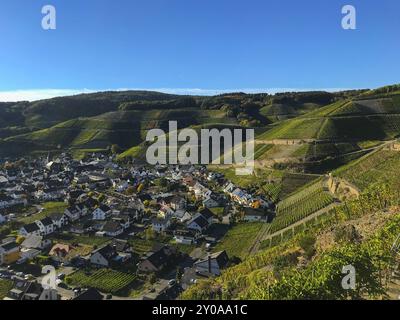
[{"x": 123, "y": 128}]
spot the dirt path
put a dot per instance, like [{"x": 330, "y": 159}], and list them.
[{"x": 259, "y": 238}]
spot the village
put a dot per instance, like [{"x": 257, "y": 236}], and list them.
[{"x": 115, "y": 231}]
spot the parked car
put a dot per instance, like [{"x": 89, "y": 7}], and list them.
[{"x": 172, "y": 282}]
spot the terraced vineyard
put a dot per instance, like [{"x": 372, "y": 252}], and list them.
[
  {"x": 381, "y": 166},
  {"x": 272, "y": 191},
  {"x": 105, "y": 280},
  {"x": 302, "y": 204}
]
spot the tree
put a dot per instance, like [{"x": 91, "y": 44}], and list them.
[
  {"x": 115, "y": 149},
  {"x": 307, "y": 243}
]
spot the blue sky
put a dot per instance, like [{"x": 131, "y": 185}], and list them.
[{"x": 208, "y": 45}]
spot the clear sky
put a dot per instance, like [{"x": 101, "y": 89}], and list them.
[{"x": 253, "y": 45}]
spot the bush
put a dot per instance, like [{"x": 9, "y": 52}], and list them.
[{"x": 307, "y": 243}]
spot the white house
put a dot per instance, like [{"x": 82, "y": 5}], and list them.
[
  {"x": 161, "y": 225},
  {"x": 113, "y": 228},
  {"x": 59, "y": 220},
  {"x": 46, "y": 226},
  {"x": 103, "y": 256},
  {"x": 252, "y": 215},
  {"x": 100, "y": 213},
  {"x": 73, "y": 213},
  {"x": 198, "y": 223},
  {"x": 182, "y": 215},
  {"x": 188, "y": 237},
  {"x": 29, "y": 229}
]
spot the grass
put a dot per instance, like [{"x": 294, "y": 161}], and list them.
[
  {"x": 380, "y": 166},
  {"x": 104, "y": 280},
  {"x": 48, "y": 209},
  {"x": 238, "y": 240},
  {"x": 68, "y": 238},
  {"x": 218, "y": 211},
  {"x": 5, "y": 287}
]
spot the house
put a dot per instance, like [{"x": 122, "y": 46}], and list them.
[
  {"x": 60, "y": 251},
  {"x": 101, "y": 212},
  {"x": 46, "y": 226},
  {"x": 200, "y": 191},
  {"x": 81, "y": 227},
  {"x": 90, "y": 294},
  {"x": 29, "y": 229},
  {"x": 208, "y": 215},
  {"x": 103, "y": 256},
  {"x": 209, "y": 202},
  {"x": 59, "y": 219},
  {"x": 25, "y": 290},
  {"x": 251, "y": 215},
  {"x": 3, "y": 181},
  {"x": 33, "y": 241},
  {"x": 198, "y": 223},
  {"x": 112, "y": 228},
  {"x": 2, "y": 219},
  {"x": 165, "y": 212},
  {"x": 156, "y": 261},
  {"x": 124, "y": 220},
  {"x": 9, "y": 252},
  {"x": 178, "y": 203},
  {"x": 212, "y": 264},
  {"x": 182, "y": 215},
  {"x": 7, "y": 201},
  {"x": 54, "y": 166},
  {"x": 28, "y": 254},
  {"x": 160, "y": 225},
  {"x": 186, "y": 236},
  {"x": 73, "y": 213}
]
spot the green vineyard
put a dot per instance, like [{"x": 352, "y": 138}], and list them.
[
  {"x": 382, "y": 166},
  {"x": 105, "y": 280},
  {"x": 301, "y": 205}
]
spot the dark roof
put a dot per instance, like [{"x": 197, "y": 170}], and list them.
[
  {"x": 90, "y": 294},
  {"x": 111, "y": 226},
  {"x": 105, "y": 208},
  {"x": 220, "y": 257},
  {"x": 120, "y": 245},
  {"x": 107, "y": 251},
  {"x": 9, "y": 246},
  {"x": 47, "y": 221},
  {"x": 32, "y": 227},
  {"x": 201, "y": 221},
  {"x": 206, "y": 213},
  {"x": 158, "y": 258}
]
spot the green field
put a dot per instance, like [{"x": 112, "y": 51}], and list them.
[
  {"x": 48, "y": 209},
  {"x": 5, "y": 287},
  {"x": 69, "y": 238},
  {"x": 238, "y": 240},
  {"x": 104, "y": 280}
]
